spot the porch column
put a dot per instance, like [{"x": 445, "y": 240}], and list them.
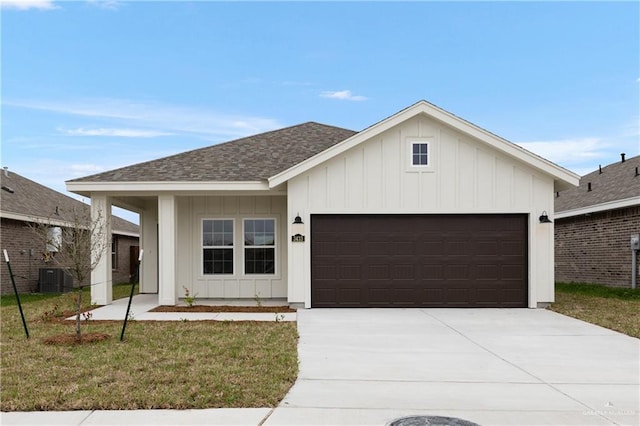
[
  {"x": 167, "y": 249},
  {"x": 149, "y": 243},
  {"x": 101, "y": 290}
]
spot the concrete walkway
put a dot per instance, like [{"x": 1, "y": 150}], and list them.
[{"x": 489, "y": 366}]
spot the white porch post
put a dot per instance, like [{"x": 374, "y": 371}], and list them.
[
  {"x": 149, "y": 243},
  {"x": 101, "y": 290},
  {"x": 167, "y": 249}
]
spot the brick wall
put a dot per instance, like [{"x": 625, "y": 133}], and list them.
[
  {"x": 25, "y": 253},
  {"x": 595, "y": 248},
  {"x": 122, "y": 270}
]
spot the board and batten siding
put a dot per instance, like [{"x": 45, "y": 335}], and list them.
[
  {"x": 192, "y": 210},
  {"x": 464, "y": 176}
]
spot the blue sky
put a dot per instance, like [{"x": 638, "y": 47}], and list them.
[{"x": 91, "y": 86}]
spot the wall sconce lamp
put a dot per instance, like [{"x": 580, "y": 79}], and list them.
[
  {"x": 544, "y": 218},
  {"x": 297, "y": 228}
]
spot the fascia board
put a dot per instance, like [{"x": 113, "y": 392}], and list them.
[
  {"x": 35, "y": 219},
  {"x": 611, "y": 205},
  {"x": 50, "y": 221},
  {"x": 125, "y": 233},
  {"x": 84, "y": 188},
  {"x": 445, "y": 117}
]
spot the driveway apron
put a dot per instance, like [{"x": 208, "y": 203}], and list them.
[{"x": 486, "y": 366}]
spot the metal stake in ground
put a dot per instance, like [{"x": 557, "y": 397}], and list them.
[
  {"x": 15, "y": 290},
  {"x": 133, "y": 286}
]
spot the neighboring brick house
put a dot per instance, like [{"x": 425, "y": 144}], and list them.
[
  {"x": 23, "y": 201},
  {"x": 594, "y": 224}
]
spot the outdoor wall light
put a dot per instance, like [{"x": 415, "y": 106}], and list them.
[
  {"x": 544, "y": 218},
  {"x": 297, "y": 229}
]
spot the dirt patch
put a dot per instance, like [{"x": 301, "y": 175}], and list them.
[
  {"x": 207, "y": 308},
  {"x": 70, "y": 339}
]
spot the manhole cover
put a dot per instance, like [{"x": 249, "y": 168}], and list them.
[{"x": 431, "y": 421}]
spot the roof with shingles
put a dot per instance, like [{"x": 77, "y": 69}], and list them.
[
  {"x": 249, "y": 159},
  {"x": 618, "y": 181},
  {"x": 33, "y": 200}
]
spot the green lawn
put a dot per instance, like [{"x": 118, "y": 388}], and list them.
[
  {"x": 194, "y": 364},
  {"x": 614, "y": 308}
]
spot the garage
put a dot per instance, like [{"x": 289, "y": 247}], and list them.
[{"x": 419, "y": 260}]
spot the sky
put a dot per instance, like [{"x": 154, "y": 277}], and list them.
[{"x": 89, "y": 86}]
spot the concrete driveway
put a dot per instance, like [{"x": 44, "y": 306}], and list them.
[{"x": 488, "y": 366}]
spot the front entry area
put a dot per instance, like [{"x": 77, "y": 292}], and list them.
[{"x": 449, "y": 260}]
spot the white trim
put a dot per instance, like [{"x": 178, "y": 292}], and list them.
[
  {"x": 151, "y": 186},
  {"x": 202, "y": 248},
  {"x": 276, "y": 268},
  {"x": 611, "y": 205},
  {"x": 559, "y": 173},
  {"x": 66, "y": 224},
  {"x": 35, "y": 219},
  {"x": 126, "y": 233}
]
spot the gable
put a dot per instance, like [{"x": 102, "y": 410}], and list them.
[
  {"x": 562, "y": 178},
  {"x": 463, "y": 175}
]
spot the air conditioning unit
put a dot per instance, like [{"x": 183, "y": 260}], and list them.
[{"x": 55, "y": 280}]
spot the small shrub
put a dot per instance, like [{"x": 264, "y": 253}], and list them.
[{"x": 188, "y": 299}]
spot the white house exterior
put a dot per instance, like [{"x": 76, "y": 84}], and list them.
[{"x": 421, "y": 209}]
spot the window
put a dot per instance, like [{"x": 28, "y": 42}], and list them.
[
  {"x": 259, "y": 246},
  {"x": 420, "y": 153},
  {"x": 217, "y": 246},
  {"x": 114, "y": 252}
]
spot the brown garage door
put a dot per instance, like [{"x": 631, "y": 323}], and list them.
[{"x": 419, "y": 261}]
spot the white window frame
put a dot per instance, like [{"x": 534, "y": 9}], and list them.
[
  {"x": 413, "y": 143},
  {"x": 203, "y": 247},
  {"x": 274, "y": 246}
]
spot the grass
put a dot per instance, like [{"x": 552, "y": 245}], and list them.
[
  {"x": 191, "y": 364},
  {"x": 614, "y": 308}
]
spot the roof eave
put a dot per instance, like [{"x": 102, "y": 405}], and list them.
[
  {"x": 86, "y": 188},
  {"x": 610, "y": 205},
  {"x": 563, "y": 178}
]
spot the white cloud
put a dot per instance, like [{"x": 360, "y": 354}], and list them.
[
  {"x": 85, "y": 169},
  {"x": 568, "y": 151},
  {"x": 124, "y": 133},
  {"x": 163, "y": 118},
  {"x": 580, "y": 155},
  {"x": 28, "y": 4},
  {"x": 105, "y": 4},
  {"x": 345, "y": 95}
]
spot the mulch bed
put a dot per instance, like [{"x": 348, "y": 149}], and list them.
[
  {"x": 70, "y": 339},
  {"x": 207, "y": 308}
]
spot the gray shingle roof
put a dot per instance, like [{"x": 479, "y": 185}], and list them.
[
  {"x": 34, "y": 200},
  {"x": 617, "y": 182},
  {"x": 253, "y": 158}
]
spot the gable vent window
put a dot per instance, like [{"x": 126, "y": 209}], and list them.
[
  {"x": 420, "y": 154},
  {"x": 217, "y": 246}
]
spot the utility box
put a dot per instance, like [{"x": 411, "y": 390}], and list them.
[
  {"x": 55, "y": 280},
  {"x": 635, "y": 242}
]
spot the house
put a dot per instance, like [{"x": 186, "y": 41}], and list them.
[
  {"x": 594, "y": 224},
  {"x": 420, "y": 209},
  {"x": 23, "y": 201}
]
